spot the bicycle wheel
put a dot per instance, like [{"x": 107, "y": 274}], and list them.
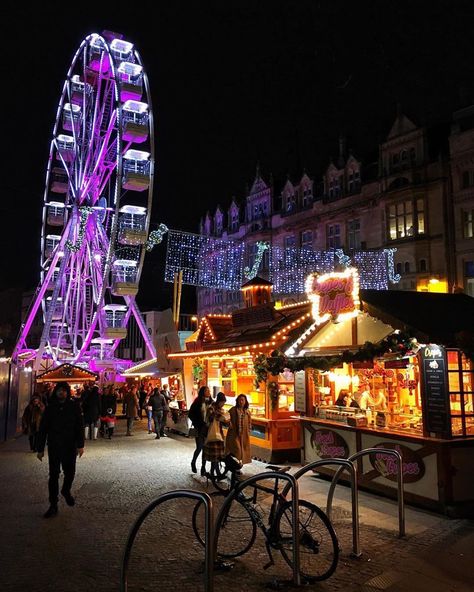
[
  {"x": 319, "y": 548},
  {"x": 220, "y": 476},
  {"x": 235, "y": 529}
]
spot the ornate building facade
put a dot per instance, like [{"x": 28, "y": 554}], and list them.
[{"x": 417, "y": 197}]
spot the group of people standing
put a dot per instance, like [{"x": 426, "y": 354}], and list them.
[{"x": 209, "y": 420}]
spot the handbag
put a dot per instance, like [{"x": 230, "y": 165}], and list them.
[{"x": 214, "y": 433}]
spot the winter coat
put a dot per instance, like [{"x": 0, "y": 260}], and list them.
[
  {"x": 158, "y": 403},
  {"x": 131, "y": 403},
  {"x": 31, "y": 420},
  {"x": 62, "y": 426},
  {"x": 238, "y": 435},
  {"x": 108, "y": 402},
  {"x": 91, "y": 405},
  {"x": 197, "y": 415}
]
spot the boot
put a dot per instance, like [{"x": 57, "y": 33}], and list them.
[
  {"x": 96, "y": 430},
  {"x": 86, "y": 433},
  {"x": 111, "y": 431}
]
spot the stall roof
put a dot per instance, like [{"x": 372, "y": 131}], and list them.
[
  {"x": 148, "y": 368},
  {"x": 435, "y": 318},
  {"x": 66, "y": 373}
]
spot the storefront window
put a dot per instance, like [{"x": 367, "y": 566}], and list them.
[{"x": 461, "y": 393}]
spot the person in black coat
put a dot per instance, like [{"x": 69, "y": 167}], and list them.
[
  {"x": 62, "y": 427},
  {"x": 91, "y": 407},
  {"x": 197, "y": 415},
  {"x": 108, "y": 410}
]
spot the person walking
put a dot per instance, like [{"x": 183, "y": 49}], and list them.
[
  {"x": 108, "y": 411},
  {"x": 142, "y": 395},
  {"x": 149, "y": 412},
  {"x": 238, "y": 436},
  {"x": 31, "y": 421},
  {"x": 131, "y": 408},
  {"x": 157, "y": 403},
  {"x": 91, "y": 410},
  {"x": 197, "y": 415},
  {"x": 166, "y": 409},
  {"x": 62, "y": 427},
  {"x": 214, "y": 447}
]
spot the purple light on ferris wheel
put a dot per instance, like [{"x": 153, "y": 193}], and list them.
[{"x": 87, "y": 232}]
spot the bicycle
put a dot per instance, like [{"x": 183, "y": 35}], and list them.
[{"x": 236, "y": 528}]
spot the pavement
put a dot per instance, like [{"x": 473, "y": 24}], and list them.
[{"x": 81, "y": 548}]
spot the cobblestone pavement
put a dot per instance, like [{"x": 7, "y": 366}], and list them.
[{"x": 81, "y": 548}]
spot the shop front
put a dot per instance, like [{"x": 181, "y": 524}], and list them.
[
  {"x": 391, "y": 374},
  {"x": 225, "y": 356}
]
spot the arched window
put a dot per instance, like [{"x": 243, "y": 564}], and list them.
[
  {"x": 423, "y": 266},
  {"x": 399, "y": 268},
  {"x": 407, "y": 267}
]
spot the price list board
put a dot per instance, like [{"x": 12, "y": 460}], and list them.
[{"x": 435, "y": 394}]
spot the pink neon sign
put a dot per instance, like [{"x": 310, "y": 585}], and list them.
[{"x": 335, "y": 295}]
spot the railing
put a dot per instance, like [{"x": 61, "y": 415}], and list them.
[
  {"x": 343, "y": 463},
  {"x": 208, "y": 529},
  {"x": 400, "y": 496}
]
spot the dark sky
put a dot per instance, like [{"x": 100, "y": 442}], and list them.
[{"x": 232, "y": 83}]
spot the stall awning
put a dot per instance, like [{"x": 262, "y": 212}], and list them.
[
  {"x": 66, "y": 373},
  {"x": 148, "y": 368}
]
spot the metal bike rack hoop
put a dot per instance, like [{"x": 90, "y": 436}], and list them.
[
  {"x": 293, "y": 485},
  {"x": 343, "y": 463},
  {"x": 401, "y": 502},
  {"x": 209, "y": 534}
]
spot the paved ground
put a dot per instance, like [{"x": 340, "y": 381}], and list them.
[{"x": 81, "y": 548}]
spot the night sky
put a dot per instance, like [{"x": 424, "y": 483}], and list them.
[{"x": 232, "y": 83}]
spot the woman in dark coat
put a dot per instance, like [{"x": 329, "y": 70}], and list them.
[
  {"x": 31, "y": 420},
  {"x": 214, "y": 449},
  {"x": 91, "y": 409},
  {"x": 197, "y": 415}
]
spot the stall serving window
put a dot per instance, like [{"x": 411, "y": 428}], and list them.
[{"x": 460, "y": 382}]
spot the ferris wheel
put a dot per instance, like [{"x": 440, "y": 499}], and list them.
[{"x": 96, "y": 211}]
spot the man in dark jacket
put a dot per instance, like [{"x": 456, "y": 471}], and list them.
[
  {"x": 158, "y": 404},
  {"x": 62, "y": 426}
]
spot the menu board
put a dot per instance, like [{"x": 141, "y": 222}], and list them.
[
  {"x": 436, "y": 412},
  {"x": 300, "y": 391}
]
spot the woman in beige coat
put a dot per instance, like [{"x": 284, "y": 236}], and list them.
[{"x": 238, "y": 435}]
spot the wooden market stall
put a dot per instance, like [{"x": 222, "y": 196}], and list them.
[
  {"x": 225, "y": 357},
  {"x": 399, "y": 355}
]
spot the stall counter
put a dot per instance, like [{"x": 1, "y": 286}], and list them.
[{"x": 437, "y": 473}]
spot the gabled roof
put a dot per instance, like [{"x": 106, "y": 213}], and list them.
[
  {"x": 401, "y": 126},
  {"x": 435, "y": 318},
  {"x": 213, "y": 327},
  {"x": 66, "y": 373},
  {"x": 257, "y": 281}
]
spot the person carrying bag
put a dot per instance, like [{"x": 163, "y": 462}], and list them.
[{"x": 214, "y": 448}]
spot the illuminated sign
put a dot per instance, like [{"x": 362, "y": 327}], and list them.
[{"x": 334, "y": 295}]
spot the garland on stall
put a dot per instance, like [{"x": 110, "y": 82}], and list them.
[
  {"x": 198, "y": 369},
  {"x": 399, "y": 343}
]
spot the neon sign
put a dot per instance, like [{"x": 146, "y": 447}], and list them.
[{"x": 334, "y": 295}]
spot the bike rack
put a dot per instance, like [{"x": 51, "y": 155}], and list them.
[
  {"x": 209, "y": 534},
  {"x": 293, "y": 485},
  {"x": 400, "y": 496},
  {"x": 343, "y": 463}
]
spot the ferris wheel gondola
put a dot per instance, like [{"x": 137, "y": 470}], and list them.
[{"x": 97, "y": 205}]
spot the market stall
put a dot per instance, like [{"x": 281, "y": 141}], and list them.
[
  {"x": 390, "y": 370},
  {"x": 75, "y": 376},
  {"x": 225, "y": 356}
]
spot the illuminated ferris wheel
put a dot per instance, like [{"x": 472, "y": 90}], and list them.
[{"x": 97, "y": 204}]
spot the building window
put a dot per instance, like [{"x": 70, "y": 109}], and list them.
[
  {"x": 469, "y": 278},
  {"x": 290, "y": 242},
  {"x": 234, "y": 220},
  {"x": 218, "y": 299},
  {"x": 468, "y": 224},
  {"x": 290, "y": 202},
  {"x": 403, "y": 221},
  {"x": 307, "y": 239},
  {"x": 467, "y": 179},
  {"x": 353, "y": 234},
  {"x": 412, "y": 154},
  {"x": 307, "y": 197},
  {"x": 333, "y": 236},
  {"x": 423, "y": 266},
  {"x": 407, "y": 267},
  {"x": 399, "y": 269}
]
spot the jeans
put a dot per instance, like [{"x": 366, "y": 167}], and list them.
[
  {"x": 163, "y": 422},
  {"x": 129, "y": 424},
  {"x": 149, "y": 414},
  {"x": 200, "y": 441},
  {"x": 57, "y": 459},
  {"x": 158, "y": 419}
]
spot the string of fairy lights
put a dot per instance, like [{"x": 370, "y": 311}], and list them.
[{"x": 225, "y": 264}]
